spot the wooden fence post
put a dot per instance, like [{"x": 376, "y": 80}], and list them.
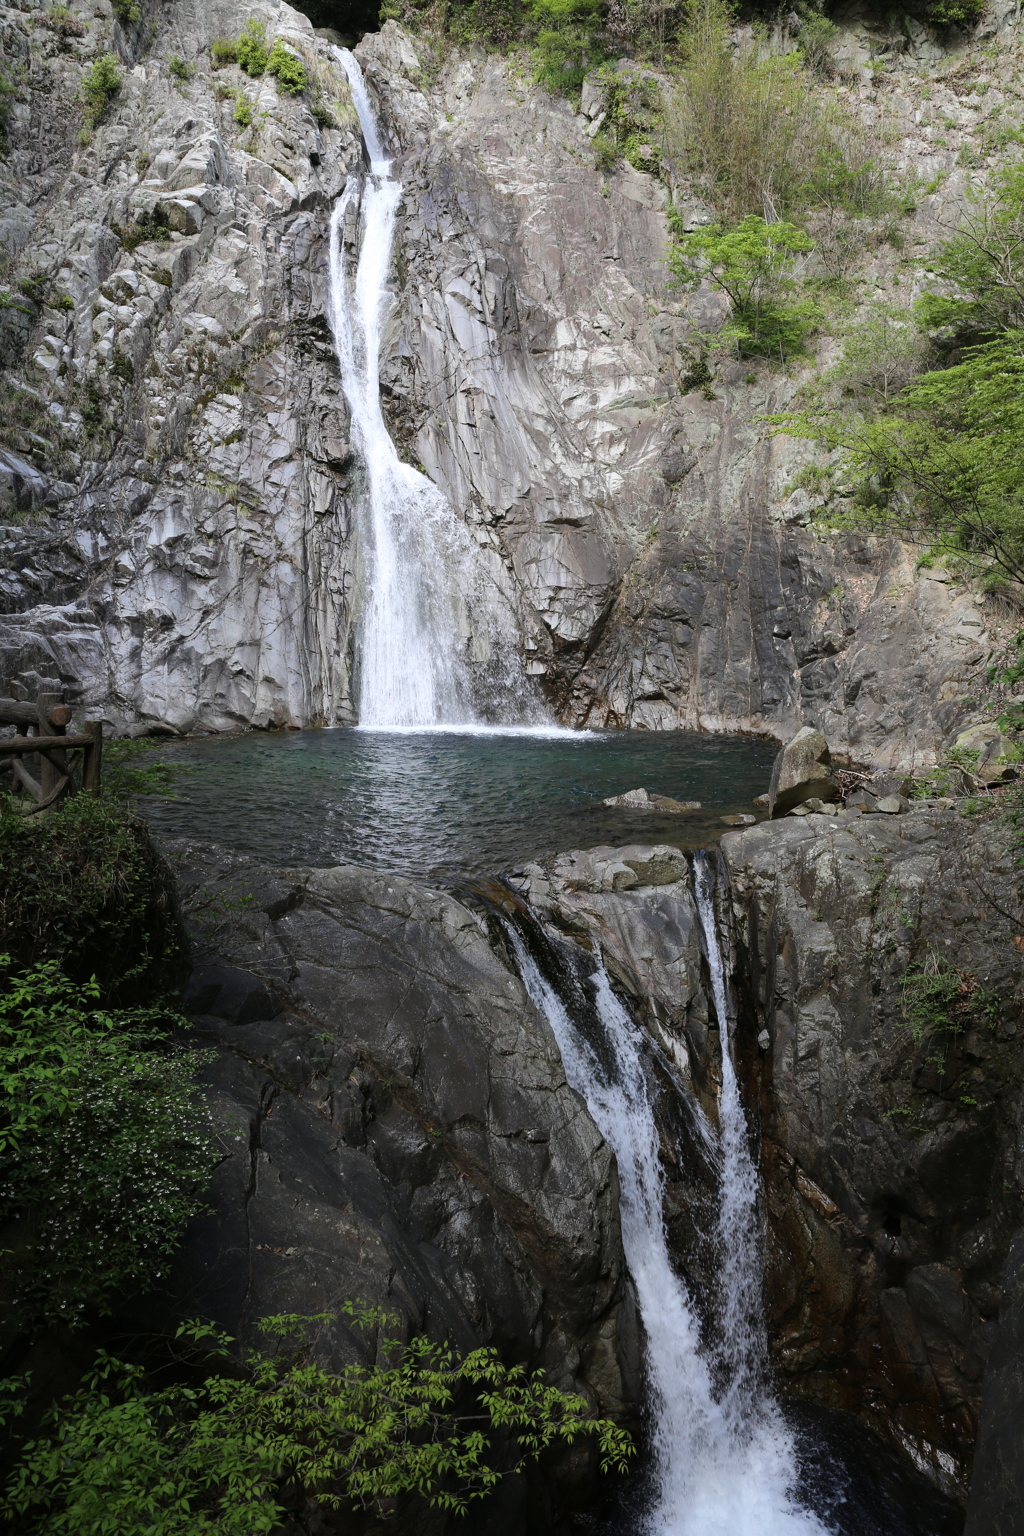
[{"x": 93, "y": 757}]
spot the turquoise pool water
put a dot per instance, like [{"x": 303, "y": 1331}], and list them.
[{"x": 444, "y": 804}]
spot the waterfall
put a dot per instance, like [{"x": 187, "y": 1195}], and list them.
[
  {"x": 724, "y": 1462},
  {"x": 438, "y": 639}
]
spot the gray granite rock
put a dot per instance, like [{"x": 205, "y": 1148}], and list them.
[
  {"x": 396, "y": 1127},
  {"x": 204, "y": 571}
]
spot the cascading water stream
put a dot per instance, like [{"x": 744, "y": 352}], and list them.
[
  {"x": 437, "y": 638},
  {"x": 724, "y": 1460}
]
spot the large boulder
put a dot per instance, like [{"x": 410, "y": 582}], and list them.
[
  {"x": 999, "y": 756},
  {"x": 802, "y": 771}
]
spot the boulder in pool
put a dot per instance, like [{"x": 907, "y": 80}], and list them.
[
  {"x": 802, "y": 772},
  {"x": 644, "y": 800}
]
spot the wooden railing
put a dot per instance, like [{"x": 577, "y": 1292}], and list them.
[{"x": 42, "y": 734}]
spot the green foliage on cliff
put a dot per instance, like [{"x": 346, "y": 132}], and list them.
[
  {"x": 85, "y": 886},
  {"x": 251, "y": 48},
  {"x": 289, "y": 70},
  {"x": 941, "y": 1000},
  {"x": 104, "y": 1145},
  {"x": 219, "y": 1457},
  {"x": 939, "y": 457},
  {"x": 568, "y": 43},
  {"x": 751, "y": 263},
  {"x": 100, "y": 84}
]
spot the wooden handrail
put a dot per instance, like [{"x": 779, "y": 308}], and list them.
[
  {"x": 18, "y": 745},
  {"x": 13, "y": 712}
]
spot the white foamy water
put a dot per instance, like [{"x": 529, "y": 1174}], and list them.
[
  {"x": 437, "y": 637},
  {"x": 724, "y": 1461}
]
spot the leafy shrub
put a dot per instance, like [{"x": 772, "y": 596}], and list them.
[
  {"x": 151, "y": 225},
  {"x": 568, "y": 44},
  {"x": 8, "y": 94},
  {"x": 291, "y": 76},
  {"x": 815, "y": 38},
  {"x": 121, "y": 367},
  {"x": 216, "y": 1457},
  {"x": 252, "y": 48},
  {"x": 939, "y": 999},
  {"x": 754, "y": 136},
  {"x": 751, "y": 264},
  {"x": 243, "y": 113},
  {"x": 85, "y": 886},
  {"x": 957, "y": 15},
  {"x": 104, "y": 1145},
  {"x": 179, "y": 69},
  {"x": 223, "y": 51},
  {"x": 981, "y": 266},
  {"x": 100, "y": 85},
  {"x": 127, "y": 11}
]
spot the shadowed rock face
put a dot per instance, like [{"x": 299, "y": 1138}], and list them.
[
  {"x": 891, "y": 1173},
  {"x": 889, "y": 1165},
  {"x": 198, "y": 562},
  {"x": 397, "y": 1127}
]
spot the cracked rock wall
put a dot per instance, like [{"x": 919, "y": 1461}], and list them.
[{"x": 186, "y": 554}]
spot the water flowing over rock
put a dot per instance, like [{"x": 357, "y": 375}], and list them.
[
  {"x": 204, "y": 562},
  {"x": 397, "y": 1128},
  {"x": 433, "y": 602},
  {"x": 723, "y": 1462}
]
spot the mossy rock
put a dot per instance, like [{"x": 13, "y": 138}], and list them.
[{"x": 86, "y": 886}]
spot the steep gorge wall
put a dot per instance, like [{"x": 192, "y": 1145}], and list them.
[{"x": 199, "y": 563}]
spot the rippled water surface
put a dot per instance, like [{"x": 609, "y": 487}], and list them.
[{"x": 443, "y": 804}]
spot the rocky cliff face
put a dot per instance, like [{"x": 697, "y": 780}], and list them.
[
  {"x": 396, "y": 1127},
  {"x": 190, "y": 557},
  {"x": 884, "y": 976},
  {"x": 878, "y": 985}
]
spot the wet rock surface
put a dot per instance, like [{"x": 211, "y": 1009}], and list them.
[
  {"x": 397, "y": 1128},
  {"x": 883, "y": 976}
]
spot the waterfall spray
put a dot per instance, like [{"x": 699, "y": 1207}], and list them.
[{"x": 438, "y": 640}]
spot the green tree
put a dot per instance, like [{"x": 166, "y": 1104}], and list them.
[
  {"x": 568, "y": 43},
  {"x": 752, "y": 264},
  {"x": 100, "y": 84},
  {"x": 290, "y": 71},
  {"x": 215, "y": 1458},
  {"x": 252, "y": 48},
  {"x": 949, "y": 453},
  {"x": 105, "y": 1145},
  {"x": 942, "y": 460},
  {"x": 981, "y": 266}
]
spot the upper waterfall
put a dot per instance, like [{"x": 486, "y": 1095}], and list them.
[{"x": 438, "y": 641}]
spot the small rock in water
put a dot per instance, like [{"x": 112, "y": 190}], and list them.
[
  {"x": 760, "y": 800},
  {"x": 643, "y": 800},
  {"x": 740, "y": 820}
]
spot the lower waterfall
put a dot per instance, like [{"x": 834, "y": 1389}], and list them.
[
  {"x": 725, "y": 1462},
  {"x": 438, "y": 641}
]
